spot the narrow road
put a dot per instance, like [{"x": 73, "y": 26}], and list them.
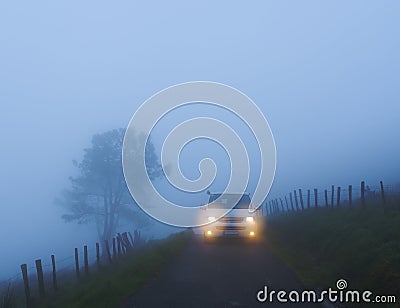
[{"x": 224, "y": 274}]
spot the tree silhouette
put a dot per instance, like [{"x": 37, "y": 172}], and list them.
[{"x": 99, "y": 193}]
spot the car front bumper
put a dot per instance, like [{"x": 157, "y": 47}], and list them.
[{"x": 215, "y": 230}]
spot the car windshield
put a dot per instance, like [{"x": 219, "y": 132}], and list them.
[{"x": 227, "y": 200}]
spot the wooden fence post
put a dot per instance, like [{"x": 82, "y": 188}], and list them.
[
  {"x": 308, "y": 198},
  {"x": 114, "y": 247},
  {"x": 316, "y": 197},
  {"x": 363, "y": 193},
  {"x": 24, "y": 269},
  {"x": 53, "y": 263},
  {"x": 122, "y": 243},
  {"x": 338, "y": 197},
  {"x": 86, "y": 259},
  {"x": 119, "y": 245},
  {"x": 295, "y": 199},
  {"x": 39, "y": 271},
  {"x": 287, "y": 204},
  {"x": 301, "y": 199},
  {"x": 108, "y": 251},
  {"x": 350, "y": 194},
  {"x": 291, "y": 201},
  {"x": 126, "y": 241},
  {"x": 382, "y": 194},
  {"x": 98, "y": 255},
  {"x": 277, "y": 205},
  {"x": 326, "y": 198},
  {"x": 332, "y": 195},
  {"x": 77, "y": 263},
  {"x": 133, "y": 243}
]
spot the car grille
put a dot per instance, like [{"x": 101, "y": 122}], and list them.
[
  {"x": 236, "y": 228},
  {"x": 231, "y": 219}
]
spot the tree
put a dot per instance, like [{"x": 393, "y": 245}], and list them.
[{"x": 99, "y": 193}]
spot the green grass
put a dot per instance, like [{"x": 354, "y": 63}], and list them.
[
  {"x": 359, "y": 245},
  {"x": 8, "y": 298},
  {"x": 112, "y": 284}
]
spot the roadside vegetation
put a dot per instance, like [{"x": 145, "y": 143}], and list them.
[
  {"x": 8, "y": 298},
  {"x": 323, "y": 245},
  {"x": 111, "y": 284}
]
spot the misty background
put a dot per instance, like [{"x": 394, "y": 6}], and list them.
[{"x": 325, "y": 75}]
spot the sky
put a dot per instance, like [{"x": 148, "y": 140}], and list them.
[{"x": 325, "y": 75}]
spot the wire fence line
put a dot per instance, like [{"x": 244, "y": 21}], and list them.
[
  {"x": 43, "y": 275},
  {"x": 334, "y": 196}
]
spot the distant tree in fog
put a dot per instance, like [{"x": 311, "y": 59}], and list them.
[{"x": 99, "y": 193}]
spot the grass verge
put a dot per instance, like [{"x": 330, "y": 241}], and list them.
[
  {"x": 360, "y": 245},
  {"x": 8, "y": 298},
  {"x": 110, "y": 285}
]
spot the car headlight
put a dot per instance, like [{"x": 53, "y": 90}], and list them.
[
  {"x": 211, "y": 218},
  {"x": 249, "y": 219}
]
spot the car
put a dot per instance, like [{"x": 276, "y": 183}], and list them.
[{"x": 242, "y": 221}]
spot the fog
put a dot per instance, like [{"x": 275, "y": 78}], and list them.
[{"x": 325, "y": 75}]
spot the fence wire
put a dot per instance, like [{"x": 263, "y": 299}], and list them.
[
  {"x": 65, "y": 268},
  {"x": 333, "y": 196}
]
